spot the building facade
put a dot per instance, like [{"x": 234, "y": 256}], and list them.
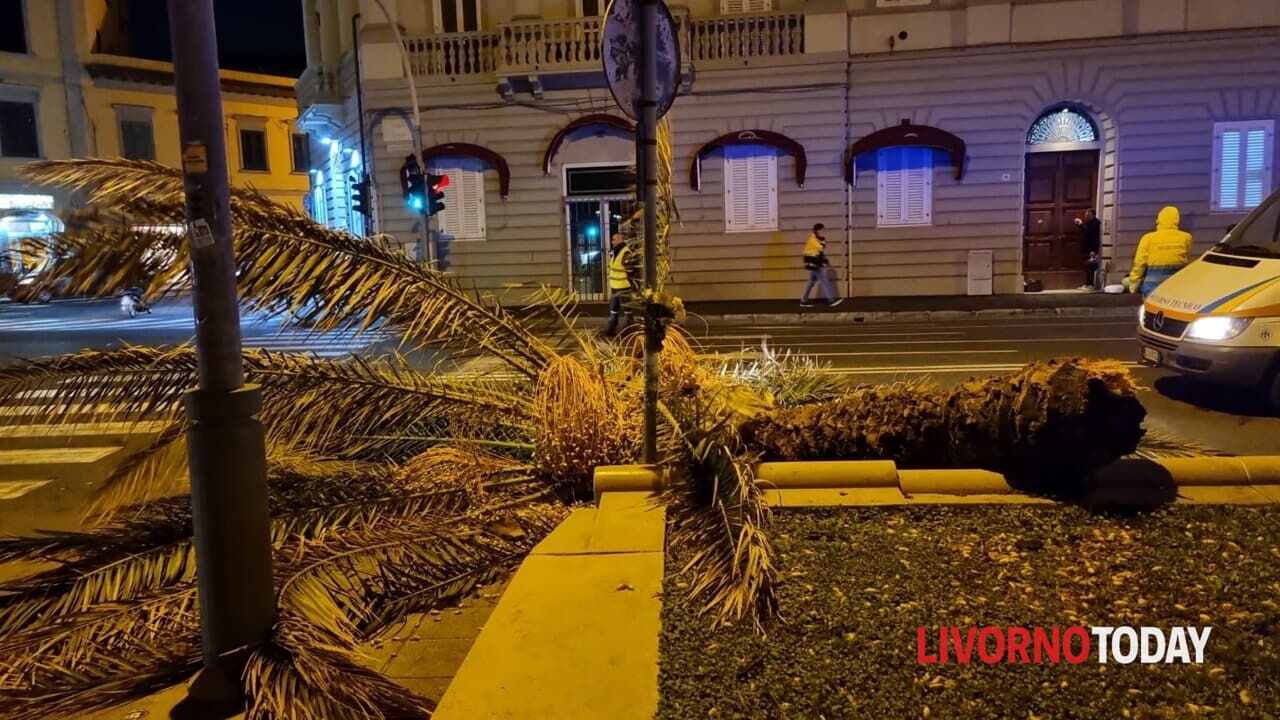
[
  {"x": 947, "y": 145},
  {"x": 66, "y": 90}
]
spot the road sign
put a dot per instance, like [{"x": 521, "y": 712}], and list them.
[{"x": 621, "y": 52}]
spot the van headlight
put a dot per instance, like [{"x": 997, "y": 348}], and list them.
[{"x": 1216, "y": 328}]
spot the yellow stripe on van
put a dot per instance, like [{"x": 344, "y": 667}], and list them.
[
  {"x": 1245, "y": 297},
  {"x": 1272, "y": 309}
]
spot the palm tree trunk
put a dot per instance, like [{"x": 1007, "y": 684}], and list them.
[{"x": 1047, "y": 422}]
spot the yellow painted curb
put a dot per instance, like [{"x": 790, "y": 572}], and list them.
[
  {"x": 1262, "y": 469},
  {"x": 1205, "y": 471},
  {"x": 828, "y": 474},
  {"x": 953, "y": 482},
  {"x": 627, "y": 478}
]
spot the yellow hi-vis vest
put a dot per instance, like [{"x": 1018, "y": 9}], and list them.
[{"x": 618, "y": 279}]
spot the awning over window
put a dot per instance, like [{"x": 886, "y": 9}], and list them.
[
  {"x": 768, "y": 138},
  {"x": 476, "y": 152},
  {"x": 910, "y": 136},
  {"x": 600, "y": 120}
]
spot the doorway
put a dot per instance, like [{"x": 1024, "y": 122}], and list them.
[
  {"x": 591, "y": 222},
  {"x": 1060, "y": 186}
]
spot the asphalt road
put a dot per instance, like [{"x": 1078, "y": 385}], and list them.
[
  {"x": 947, "y": 352},
  {"x": 31, "y": 331}
]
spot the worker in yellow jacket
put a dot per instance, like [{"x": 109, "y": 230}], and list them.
[
  {"x": 1161, "y": 253},
  {"x": 622, "y": 282}
]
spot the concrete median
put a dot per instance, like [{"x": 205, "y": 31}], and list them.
[{"x": 875, "y": 482}]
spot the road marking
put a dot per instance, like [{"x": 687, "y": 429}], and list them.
[
  {"x": 768, "y": 336},
  {"x": 15, "y": 489},
  {"x": 781, "y": 342},
  {"x": 947, "y": 324},
  {"x": 941, "y": 369},
  {"x": 874, "y": 353}
]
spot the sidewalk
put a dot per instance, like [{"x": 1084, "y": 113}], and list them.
[{"x": 905, "y": 308}]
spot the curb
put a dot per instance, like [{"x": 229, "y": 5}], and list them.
[
  {"x": 822, "y": 317},
  {"x": 1245, "y": 479}
]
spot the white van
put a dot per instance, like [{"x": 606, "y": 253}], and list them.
[{"x": 1219, "y": 317}]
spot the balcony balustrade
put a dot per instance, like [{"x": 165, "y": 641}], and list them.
[{"x": 529, "y": 47}]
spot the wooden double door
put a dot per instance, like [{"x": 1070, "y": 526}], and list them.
[{"x": 1060, "y": 186}]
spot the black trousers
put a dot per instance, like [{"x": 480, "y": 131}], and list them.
[
  {"x": 616, "y": 310},
  {"x": 1091, "y": 272}
]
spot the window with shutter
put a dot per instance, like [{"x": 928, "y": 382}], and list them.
[
  {"x": 737, "y": 7},
  {"x": 904, "y": 186},
  {"x": 750, "y": 189},
  {"x": 1242, "y": 169},
  {"x": 463, "y": 217}
]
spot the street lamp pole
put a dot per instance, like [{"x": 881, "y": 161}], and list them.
[
  {"x": 425, "y": 224},
  {"x": 648, "y": 134},
  {"x": 226, "y": 443}
]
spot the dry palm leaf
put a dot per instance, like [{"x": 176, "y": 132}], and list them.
[
  {"x": 306, "y": 673},
  {"x": 290, "y": 266},
  {"x": 65, "y": 662}
]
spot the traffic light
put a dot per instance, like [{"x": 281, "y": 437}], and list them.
[
  {"x": 360, "y": 200},
  {"x": 413, "y": 185},
  {"x": 435, "y": 201}
]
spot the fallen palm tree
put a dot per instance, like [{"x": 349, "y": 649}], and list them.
[
  {"x": 395, "y": 490},
  {"x": 1053, "y": 420}
]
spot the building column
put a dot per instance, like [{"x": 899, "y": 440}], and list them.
[
  {"x": 311, "y": 27},
  {"x": 330, "y": 37}
]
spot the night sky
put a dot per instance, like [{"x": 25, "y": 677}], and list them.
[{"x": 253, "y": 35}]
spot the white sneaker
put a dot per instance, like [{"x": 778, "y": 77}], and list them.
[{"x": 837, "y": 302}]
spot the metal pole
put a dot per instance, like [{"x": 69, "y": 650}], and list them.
[
  {"x": 425, "y": 224},
  {"x": 226, "y": 447},
  {"x": 648, "y": 137}
]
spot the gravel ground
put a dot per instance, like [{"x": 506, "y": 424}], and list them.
[{"x": 860, "y": 581}]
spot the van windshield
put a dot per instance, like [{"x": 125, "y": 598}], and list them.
[{"x": 1258, "y": 235}]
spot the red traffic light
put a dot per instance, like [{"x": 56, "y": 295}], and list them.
[{"x": 444, "y": 182}]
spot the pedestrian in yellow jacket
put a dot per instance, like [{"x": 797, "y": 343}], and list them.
[{"x": 1161, "y": 253}]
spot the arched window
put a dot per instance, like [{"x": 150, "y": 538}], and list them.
[{"x": 1062, "y": 125}]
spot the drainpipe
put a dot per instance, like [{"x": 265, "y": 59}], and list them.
[
  {"x": 72, "y": 74},
  {"x": 848, "y": 189},
  {"x": 364, "y": 156}
]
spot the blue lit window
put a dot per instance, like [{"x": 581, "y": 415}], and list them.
[{"x": 1062, "y": 125}]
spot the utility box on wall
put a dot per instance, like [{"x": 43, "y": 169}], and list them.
[{"x": 980, "y": 271}]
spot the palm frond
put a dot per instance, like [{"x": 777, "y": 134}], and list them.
[
  {"x": 340, "y": 407},
  {"x": 292, "y": 267},
  {"x": 351, "y": 581},
  {"x": 71, "y": 656},
  {"x": 332, "y": 407},
  {"x": 551, "y": 313},
  {"x": 306, "y": 673},
  {"x": 1157, "y": 444},
  {"x": 158, "y": 471}
]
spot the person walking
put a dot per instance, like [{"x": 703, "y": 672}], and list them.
[
  {"x": 1091, "y": 230},
  {"x": 621, "y": 282},
  {"x": 815, "y": 261},
  {"x": 1161, "y": 253}
]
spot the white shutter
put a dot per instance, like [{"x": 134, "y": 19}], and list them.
[
  {"x": 750, "y": 190},
  {"x": 737, "y": 7},
  {"x": 470, "y": 197},
  {"x": 463, "y": 217},
  {"x": 904, "y": 186},
  {"x": 889, "y": 180},
  {"x": 1242, "y": 164},
  {"x": 737, "y": 193}
]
